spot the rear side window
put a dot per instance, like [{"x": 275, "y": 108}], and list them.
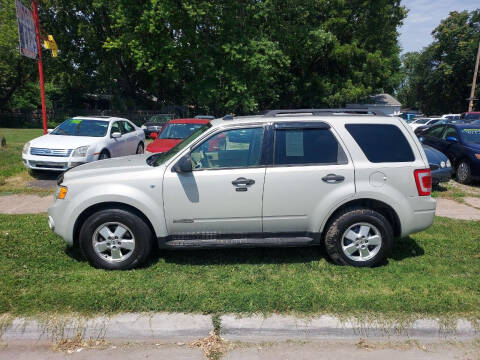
[
  {"x": 381, "y": 143},
  {"x": 307, "y": 146}
]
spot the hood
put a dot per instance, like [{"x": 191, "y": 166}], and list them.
[
  {"x": 62, "y": 141},
  {"x": 162, "y": 145},
  {"x": 433, "y": 155},
  {"x": 108, "y": 167}
]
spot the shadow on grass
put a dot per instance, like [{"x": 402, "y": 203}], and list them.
[
  {"x": 439, "y": 188},
  {"x": 403, "y": 249}
]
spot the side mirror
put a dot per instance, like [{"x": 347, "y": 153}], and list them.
[
  {"x": 184, "y": 165},
  {"x": 116, "y": 135},
  {"x": 452, "y": 139},
  {"x": 49, "y": 131}
]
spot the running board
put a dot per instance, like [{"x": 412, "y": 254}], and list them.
[{"x": 236, "y": 243}]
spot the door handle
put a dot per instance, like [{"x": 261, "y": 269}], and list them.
[
  {"x": 333, "y": 178},
  {"x": 241, "y": 181}
]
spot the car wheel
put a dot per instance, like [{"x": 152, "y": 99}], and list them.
[
  {"x": 359, "y": 237},
  {"x": 464, "y": 174},
  {"x": 140, "y": 148},
  {"x": 115, "y": 239},
  {"x": 104, "y": 155}
]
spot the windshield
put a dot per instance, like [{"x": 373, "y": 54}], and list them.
[
  {"x": 178, "y": 131},
  {"x": 472, "y": 116},
  {"x": 471, "y": 135},
  {"x": 82, "y": 127},
  {"x": 422, "y": 121},
  {"x": 160, "y": 158}
]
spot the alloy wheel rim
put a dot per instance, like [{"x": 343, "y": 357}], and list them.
[
  {"x": 462, "y": 171},
  {"x": 361, "y": 242},
  {"x": 113, "y": 242}
]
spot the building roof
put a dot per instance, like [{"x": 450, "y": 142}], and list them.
[{"x": 378, "y": 100}]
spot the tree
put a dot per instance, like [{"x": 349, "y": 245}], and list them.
[{"x": 439, "y": 78}]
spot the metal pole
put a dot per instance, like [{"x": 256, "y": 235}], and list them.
[
  {"x": 40, "y": 64},
  {"x": 474, "y": 83}
]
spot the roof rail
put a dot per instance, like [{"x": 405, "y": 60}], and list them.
[{"x": 273, "y": 113}]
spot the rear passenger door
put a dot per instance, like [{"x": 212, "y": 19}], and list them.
[{"x": 310, "y": 173}]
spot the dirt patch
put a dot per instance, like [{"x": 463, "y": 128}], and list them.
[
  {"x": 24, "y": 204},
  {"x": 455, "y": 210}
]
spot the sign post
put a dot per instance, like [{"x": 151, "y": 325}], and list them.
[{"x": 40, "y": 64}]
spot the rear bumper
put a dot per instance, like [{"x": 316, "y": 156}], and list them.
[{"x": 420, "y": 216}]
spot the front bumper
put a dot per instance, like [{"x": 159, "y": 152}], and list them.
[
  {"x": 441, "y": 175},
  {"x": 58, "y": 221},
  {"x": 54, "y": 163}
]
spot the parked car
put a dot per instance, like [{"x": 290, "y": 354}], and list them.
[
  {"x": 470, "y": 116},
  {"x": 80, "y": 140},
  {"x": 461, "y": 144},
  {"x": 439, "y": 165},
  {"x": 451, "y": 116},
  {"x": 174, "y": 132},
  {"x": 208, "y": 117},
  {"x": 424, "y": 122},
  {"x": 156, "y": 123},
  {"x": 351, "y": 181}
]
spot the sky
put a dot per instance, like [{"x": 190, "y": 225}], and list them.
[{"x": 424, "y": 16}]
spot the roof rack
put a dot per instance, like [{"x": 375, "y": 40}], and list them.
[{"x": 274, "y": 113}]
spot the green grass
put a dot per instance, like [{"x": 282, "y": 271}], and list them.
[
  {"x": 433, "y": 273},
  {"x": 11, "y": 156}
]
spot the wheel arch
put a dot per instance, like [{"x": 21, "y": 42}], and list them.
[
  {"x": 103, "y": 206},
  {"x": 377, "y": 205}
]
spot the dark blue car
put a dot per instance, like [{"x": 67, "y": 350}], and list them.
[
  {"x": 461, "y": 144},
  {"x": 439, "y": 165}
]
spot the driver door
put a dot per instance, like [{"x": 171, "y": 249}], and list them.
[{"x": 223, "y": 193}]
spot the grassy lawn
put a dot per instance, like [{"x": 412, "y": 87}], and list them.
[
  {"x": 433, "y": 273},
  {"x": 13, "y": 175}
]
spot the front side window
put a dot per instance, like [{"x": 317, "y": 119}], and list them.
[
  {"x": 381, "y": 142},
  {"x": 435, "y": 131},
  {"x": 116, "y": 127},
  {"x": 450, "y": 132},
  {"x": 306, "y": 146},
  {"x": 229, "y": 149},
  {"x": 82, "y": 127}
]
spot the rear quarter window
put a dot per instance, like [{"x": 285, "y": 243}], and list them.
[{"x": 381, "y": 142}]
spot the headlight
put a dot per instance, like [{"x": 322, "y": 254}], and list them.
[
  {"x": 442, "y": 164},
  {"x": 477, "y": 156},
  {"x": 26, "y": 147},
  {"x": 80, "y": 152},
  {"x": 61, "y": 192},
  {"x": 449, "y": 164}
]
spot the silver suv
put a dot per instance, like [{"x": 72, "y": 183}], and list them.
[{"x": 349, "y": 180}]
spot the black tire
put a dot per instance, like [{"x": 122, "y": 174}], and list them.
[
  {"x": 140, "y": 149},
  {"x": 463, "y": 172},
  {"x": 354, "y": 218},
  {"x": 104, "y": 155},
  {"x": 136, "y": 229}
]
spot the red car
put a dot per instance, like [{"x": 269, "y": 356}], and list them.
[{"x": 173, "y": 132}]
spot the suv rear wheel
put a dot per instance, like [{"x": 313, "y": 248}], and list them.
[
  {"x": 115, "y": 239},
  {"x": 359, "y": 237}
]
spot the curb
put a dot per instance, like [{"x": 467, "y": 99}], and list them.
[
  {"x": 118, "y": 327},
  {"x": 189, "y": 327},
  {"x": 257, "y": 328}
]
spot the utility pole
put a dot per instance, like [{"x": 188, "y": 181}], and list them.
[
  {"x": 40, "y": 64},
  {"x": 474, "y": 83}
]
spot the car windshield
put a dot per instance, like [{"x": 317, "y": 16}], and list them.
[
  {"x": 160, "y": 158},
  {"x": 82, "y": 127},
  {"x": 178, "y": 131},
  {"x": 475, "y": 116},
  {"x": 422, "y": 121},
  {"x": 471, "y": 135}
]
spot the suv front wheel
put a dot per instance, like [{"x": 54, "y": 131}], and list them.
[
  {"x": 359, "y": 237},
  {"x": 115, "y": 239}
]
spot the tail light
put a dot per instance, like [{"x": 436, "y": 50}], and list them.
[{"x": 423, "y": 179}]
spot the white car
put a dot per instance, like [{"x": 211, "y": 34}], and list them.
[
  {"x": 424, "y": 122},
  {"x": 348, "y": 180},
  {"x": 80, "y": 140}
]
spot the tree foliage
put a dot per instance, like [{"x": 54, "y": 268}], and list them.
[
  {"x": 438, "y": 79},
  {"x": 223, "y": 56}
]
